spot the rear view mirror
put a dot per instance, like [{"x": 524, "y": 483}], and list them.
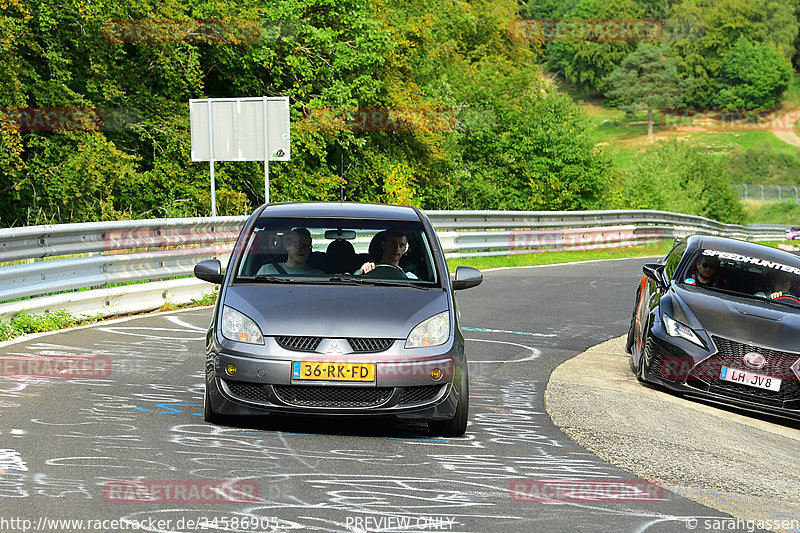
[
  {"x": 210, "y": 271},
  {"x": 346, "y": 234},
  {"x": 466, "y": 277}
]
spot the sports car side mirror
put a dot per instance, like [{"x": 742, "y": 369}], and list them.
[
  {"x": 466, "y": 277},
  {"x": 210, "y": 271},
  {"x": 655, "y": 272}
]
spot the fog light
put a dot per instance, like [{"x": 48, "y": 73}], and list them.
[
  {"x": 436, "y": 373},
  {"x": 231, "y": 369}
]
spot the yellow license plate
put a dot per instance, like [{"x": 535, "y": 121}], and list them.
[{"x": 319, "y": 371}]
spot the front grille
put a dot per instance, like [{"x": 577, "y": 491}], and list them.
[
  {"x": 248, "y": 391},
  {"x": 370, "y": 345},
  {"x": 310, "y": 344},
  {"x": 308, "y": 396},
  {"x": 299, "y": 344},
  {"x": 730, "y": 354},
  {"x": 421, "y": 394}
]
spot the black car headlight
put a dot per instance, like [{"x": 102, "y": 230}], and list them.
[
  {"x": 678, "y": 329},
  {"x": 239, "y": 327}
]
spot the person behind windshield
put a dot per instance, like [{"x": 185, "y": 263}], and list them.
[
  {"x": 394, "y": 244},
  {"x": 706, "y": 273},
  {"x": 780, "y": 284},
  {"x": 298, "y": 248}
]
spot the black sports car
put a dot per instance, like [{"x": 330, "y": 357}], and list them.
[{"x": 719, "y": 319}]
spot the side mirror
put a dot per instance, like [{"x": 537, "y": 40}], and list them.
[
  {"x": 210, "y": 271},
  {"x": 466, "y": 277},
  {"x": 655, "y": 271}
]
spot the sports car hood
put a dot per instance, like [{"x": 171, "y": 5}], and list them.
[
  {"x": 336, "y": 311},
  {"x": 734, "y": 317}
]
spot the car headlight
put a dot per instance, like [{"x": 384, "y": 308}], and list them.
[
  {"x": 238, "y": 327},
  {"x": 677, "y": 329},
  {"x": 431, "y": 332}
]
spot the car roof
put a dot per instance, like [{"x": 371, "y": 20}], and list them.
[
  {"x": 751, "y": 249},
  {"x": 340, "y": 210}
]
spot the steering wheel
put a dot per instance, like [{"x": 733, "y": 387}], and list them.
[
  {"x": 789, "y": 298},
  {"x": 385, "y": 271}
]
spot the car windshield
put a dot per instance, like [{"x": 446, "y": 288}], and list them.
[
  {"x": 743, "y": 274},
  {"x": 336, "y": 251}
]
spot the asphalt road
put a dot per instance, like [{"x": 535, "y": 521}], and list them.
[
  {"x": 70, "y": 449},
  {"x": 728, "y": 459}
]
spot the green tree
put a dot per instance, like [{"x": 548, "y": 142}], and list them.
[
  {"x": 753, "y": 76},
  {"x": 647, "y": 79},
  {"x": 702, "y": 32},
  {"x": 679, "y": 177},
  {"x": 471, "y": 104},
  {"x": 583, "y": 59}
]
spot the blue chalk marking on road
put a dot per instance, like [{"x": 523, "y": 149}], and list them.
[
  {"x": 528, "y": 333},
  {"x": 169, "y": 409}
]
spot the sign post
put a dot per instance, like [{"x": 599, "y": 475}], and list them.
[{"x": 240, "y": 129}]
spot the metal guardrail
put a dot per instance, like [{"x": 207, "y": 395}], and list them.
[{"x": 100, "y": 256}]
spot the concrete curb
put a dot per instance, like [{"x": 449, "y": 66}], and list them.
[{"x": 743, "y": 466}]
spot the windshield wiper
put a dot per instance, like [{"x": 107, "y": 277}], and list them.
[
  {"x": 273, "y": 279},
  {"x": 349, "y": 278}
]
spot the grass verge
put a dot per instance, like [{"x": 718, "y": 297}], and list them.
[{"x": 548, "y": 258}]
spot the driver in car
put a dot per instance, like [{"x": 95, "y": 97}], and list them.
[
  {"x": 393, "y": 245},
  {"x": 706, "y": 273}
]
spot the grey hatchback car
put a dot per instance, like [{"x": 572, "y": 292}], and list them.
[{"x": 338, "y": 309}]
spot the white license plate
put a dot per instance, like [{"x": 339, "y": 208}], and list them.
[{"x": 751, "y": 379}]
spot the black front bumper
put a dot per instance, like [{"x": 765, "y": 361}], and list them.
[{"x": 680, "y": 366}]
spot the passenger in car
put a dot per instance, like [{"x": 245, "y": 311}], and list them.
[
  {"x": 393, "y": 244},
  {"x": 298, "y": 249},
  {"x": 780, "y": 284}
]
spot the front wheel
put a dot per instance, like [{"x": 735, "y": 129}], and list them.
[{"x": 456, "y": 426}]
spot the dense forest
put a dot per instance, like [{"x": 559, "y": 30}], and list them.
[{"x": 95, "y": 122}]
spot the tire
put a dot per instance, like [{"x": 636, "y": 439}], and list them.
[
  {"x": 632, "y": 328},
  {"x": 208, "y": 412},
  {"x": 629, "y": 340},
  {"x": 643, "y": 361},
  {"x": 456, "y": 426}
]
